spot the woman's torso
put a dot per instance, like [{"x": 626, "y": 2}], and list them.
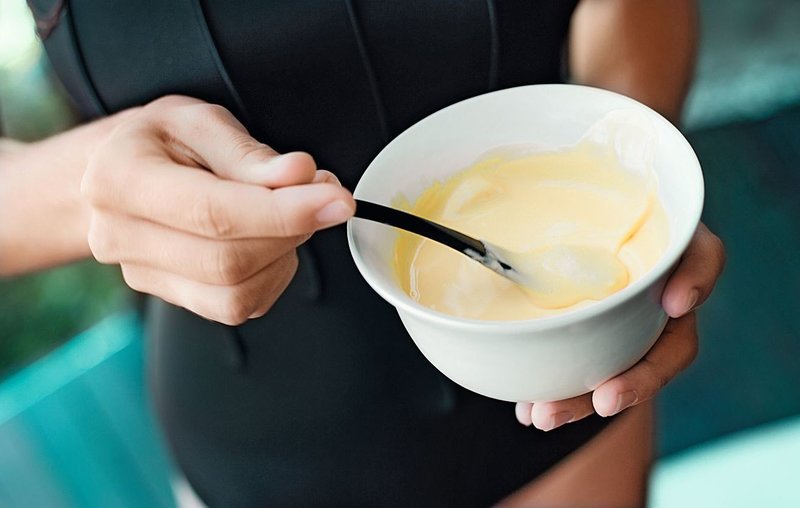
[{"x": 325, "y": 400}]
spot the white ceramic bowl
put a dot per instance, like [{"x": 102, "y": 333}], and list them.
[{"x": 542, "y": 359}]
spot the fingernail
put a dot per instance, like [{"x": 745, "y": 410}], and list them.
[
  {"x": 334, "y": 213},
  {"x": 625, "y": 400},
  {"x": 691, "y": 301},
  {"x": 334, "y": 179},
  {"x": 558, "y": 419},
  {"x": 324, "y": 176}
]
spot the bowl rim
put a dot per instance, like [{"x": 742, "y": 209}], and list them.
[{"x": 568, "y": 318}]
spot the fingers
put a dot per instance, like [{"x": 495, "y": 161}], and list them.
[
  {"x": 116, "y": 239},
  {"x": 140, "y": 170},
  {"x": 218, "y": 242},
  {"x": 551, "y": 415},
  {"x": 200, "y": 203},
  {"x": 696, "y": 274},
  {"x": 674, "y": 351},
  {"x": 231, "y": 305},
  {"x": 687, "y": 288},
  {"x": 523, "y": 413},
  {"x": 208, "y": 135}
]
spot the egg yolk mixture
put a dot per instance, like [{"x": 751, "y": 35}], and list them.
[{"x": 579, "y": 224}]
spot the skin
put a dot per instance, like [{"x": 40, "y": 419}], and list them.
[
  {"x": 197, "y": 212},
  {"x": 176, "y": 193},
  {"x": 611, "y": 470}
]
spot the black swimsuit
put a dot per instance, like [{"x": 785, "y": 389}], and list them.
[{"x": 325, "y": 401}]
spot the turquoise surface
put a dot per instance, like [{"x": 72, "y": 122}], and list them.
[
  {"x": 756, "y": 468},
  {"x": 75, "y": 428}
]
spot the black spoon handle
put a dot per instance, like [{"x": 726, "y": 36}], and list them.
[{"x": 420, "y": 226}]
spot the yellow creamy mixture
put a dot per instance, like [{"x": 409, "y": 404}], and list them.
[{"x": 582, "y": 226}]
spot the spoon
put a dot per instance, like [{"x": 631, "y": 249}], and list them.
[
  {"x": 491, "y": 256},
  {"x": 556, "y": 276}
]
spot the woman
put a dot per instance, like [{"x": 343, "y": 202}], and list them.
[{"x": 278, "y": 376}]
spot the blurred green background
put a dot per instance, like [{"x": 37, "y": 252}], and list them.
[{"x": 743, "y": 119}]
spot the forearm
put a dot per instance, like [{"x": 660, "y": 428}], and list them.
[
  {"x": 43, "y": 218},
  {"x": 644, "y": 49}
]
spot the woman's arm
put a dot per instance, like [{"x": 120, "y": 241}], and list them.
[
  {"x": 44, "y": 219},
  {"x": 642, "y": 49}
]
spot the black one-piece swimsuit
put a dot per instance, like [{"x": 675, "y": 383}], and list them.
[{"x": 325, "y": 401}]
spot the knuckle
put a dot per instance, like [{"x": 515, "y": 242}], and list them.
[
  {"x": 100, "y": 242},
  {"x": 132, "y": 280},
  {"x": 287, "y": 269},
  {"x": 719, "y": 249},
  {"x": 210, "y": 218},
  {"x": 656, "y": 379},
  {"x": 98, "y": 247},
  {"x": 280, "y": 223},
  {"x": 281, "y": 273},
  {"x": 89, "y": 181},
  {"x": 228, "y": 265},
  {"x": 291, "y": 262},
  {"x": 235, "y": 307},
  {"x": 661, "y": 380},
  {"x": 245, "y": 149},
  {"x": 203, "y": 114},
  {"x": 691, "y": 353},
  {"x": 694, "y": 351},
  {"x": 95, "y": 180},
  {"x": 170, "y": 101},
  {"x": 299, "y": 240},
  {"x": 110, "y": 166}
]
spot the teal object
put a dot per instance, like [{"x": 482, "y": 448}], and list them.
[
  {"x": 76, "y": 430},
  {"x": 758, "y": 467}
]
